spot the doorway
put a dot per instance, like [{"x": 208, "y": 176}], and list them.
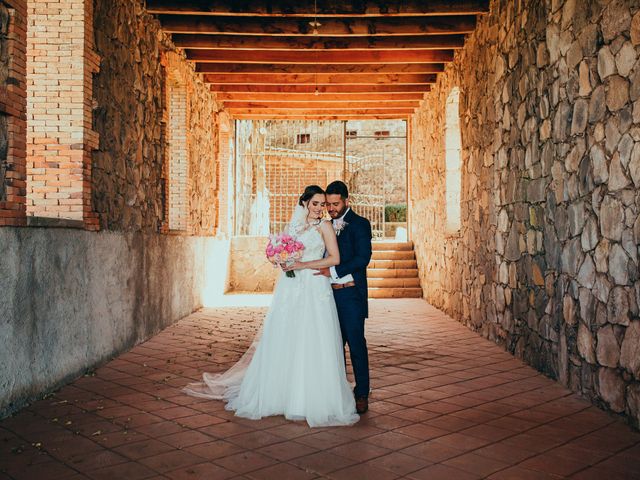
[{"x": 276, "y": 159}]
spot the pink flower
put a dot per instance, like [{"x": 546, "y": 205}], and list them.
[{"x": 283, "y": 246}]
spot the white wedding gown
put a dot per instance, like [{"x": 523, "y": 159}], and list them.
[{"x": 296, "y": 367}]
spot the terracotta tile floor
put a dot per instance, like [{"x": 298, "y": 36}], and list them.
[{"x": 446, "y": 404}]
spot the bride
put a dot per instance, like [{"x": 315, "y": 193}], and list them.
[{"x": 296, "y": 367}]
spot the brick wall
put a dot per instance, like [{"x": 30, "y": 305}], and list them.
[
  {"x": 60, "y": 64},
  {"x": 376, "y": 165},
  {"x": 224, "y": 200},
  {"x": 288, "y": 175},
  {"x": 178, "y": 156},
  {"x": 13, "y": 44}
]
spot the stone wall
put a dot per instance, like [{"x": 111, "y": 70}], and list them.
[
  {"x": 546, "y": 260},
  {"x": 204, "y": 161},
  {"x": 130, "y": 165},
  {"x": 72, "y": 299},
  {"x": 379, "y": 164}
]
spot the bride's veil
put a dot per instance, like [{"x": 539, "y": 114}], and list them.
[
  {"x": 226, "y": 385},
  {"x": 298, "y": 220}
]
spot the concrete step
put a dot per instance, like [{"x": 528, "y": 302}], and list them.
[
  {"x": 377, "y": 246},
  {"x": 393, "y": 255},
  {"x": 393, "y": 264},
  {"x": 392, "y": 273},
  {"x": 394, "y": 282},
  {"x": 395, "y": 293}
]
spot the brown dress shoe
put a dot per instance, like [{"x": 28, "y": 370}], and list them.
[{"x": 362, "y": 405}]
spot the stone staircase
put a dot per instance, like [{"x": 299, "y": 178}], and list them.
[{"x": 393, "y": 271}]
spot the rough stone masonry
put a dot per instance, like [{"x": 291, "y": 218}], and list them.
[
  {"x": 546, "y": 260},
  {"x": 71, "y": 298}
]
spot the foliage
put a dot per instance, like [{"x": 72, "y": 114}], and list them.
[{"x": 395, "y": 213}]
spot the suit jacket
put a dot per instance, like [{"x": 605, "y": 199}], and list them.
[{"x": 354, "y": 243}]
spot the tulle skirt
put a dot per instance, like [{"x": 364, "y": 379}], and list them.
[{"x": 295, "y": 367}]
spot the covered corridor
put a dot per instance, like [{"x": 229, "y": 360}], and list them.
[{"x": 520, "y": 146}]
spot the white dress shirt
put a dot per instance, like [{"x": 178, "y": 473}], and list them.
[{"x": 334, "y": 276}]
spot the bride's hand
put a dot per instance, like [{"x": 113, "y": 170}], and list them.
[{"x": 293, "y": 266}]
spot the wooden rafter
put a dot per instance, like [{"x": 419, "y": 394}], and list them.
[
  {"x": 335, "y": 98},
  {"x": 303, "y": 8},
  {"x": 251, "y": 42},
  {"x": 353, "y": 105},
  {"x": 296, "y": 69},
  {"x": 321, "y": 79},
  {"x": 317, "y": 116},
  {"x": 329, "y": 27},
  {"x": 344, "y": 89},
  {"x": 320, "y": 57},
  {"x": 324, "y": 59},
  {"x": 363, "y": 111}
]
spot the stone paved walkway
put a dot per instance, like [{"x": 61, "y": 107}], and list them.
[{"x": 446, "y": 404}]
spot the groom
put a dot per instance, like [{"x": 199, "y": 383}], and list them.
[{"x": 349, "y": 282}]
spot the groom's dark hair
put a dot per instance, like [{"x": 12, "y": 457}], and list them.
[{"x": 338, "y": 188}]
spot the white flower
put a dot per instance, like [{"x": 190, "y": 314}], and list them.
[{"x": 338, "y": 227}]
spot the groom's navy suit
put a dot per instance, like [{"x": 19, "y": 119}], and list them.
[{"x": 354, "y": 243}]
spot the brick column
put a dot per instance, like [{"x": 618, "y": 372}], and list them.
[
  {"x": 223, "y": 198},
  {"x": 178, "y": 158},
  {"x": 60, "y": 63},
  {"x": 176, "y": 172},
  {"x": 13, "y": 33}
]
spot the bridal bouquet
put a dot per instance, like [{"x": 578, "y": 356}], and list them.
[{"x": 283, "y": 249}]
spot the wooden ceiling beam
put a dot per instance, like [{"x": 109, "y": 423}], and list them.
[
  {"x": 318, "y": 57},
  {"x": 263, "y": 68},
  {"x": 274, "y": 111},
  {"x": 310, "y": 89},
  {"x": 321, "y": 79},
  {"x": 231, "y": 105},
  {"x": 251, "y": 42},
  {"x": 318, "y": 117},
  {"x": 330, "y": 27},
  {"x": 304, "y": 8},
  {"x": 323, "y": 97}
]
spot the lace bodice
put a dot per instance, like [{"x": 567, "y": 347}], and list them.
[{"x": 313, "y": 242}]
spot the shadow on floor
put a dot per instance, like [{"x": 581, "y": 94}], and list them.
[{"x": 446, "y": 404}]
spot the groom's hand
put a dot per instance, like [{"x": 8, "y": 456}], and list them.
[{"x": 323, "y": 271}]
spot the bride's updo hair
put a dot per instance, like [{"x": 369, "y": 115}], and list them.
[{"x": 308, "y": 194}]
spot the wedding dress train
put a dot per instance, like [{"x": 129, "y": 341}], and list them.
[{"x": 296, "y": 368}]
